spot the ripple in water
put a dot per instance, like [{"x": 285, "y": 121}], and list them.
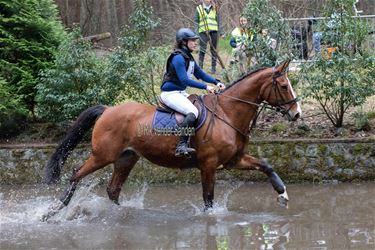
[{"x": 244, "y": 217}]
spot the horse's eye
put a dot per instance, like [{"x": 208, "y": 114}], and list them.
[{"x": 284, "y": 88}]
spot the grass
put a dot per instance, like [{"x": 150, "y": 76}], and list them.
[
  {"x": 371, "y": 115},
  {"x": 224, "y": 46}
]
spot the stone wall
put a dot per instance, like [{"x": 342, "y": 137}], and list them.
[{"x": 294, "y": 160}]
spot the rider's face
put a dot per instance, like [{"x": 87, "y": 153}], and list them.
[{"x": 192, "y": 44}]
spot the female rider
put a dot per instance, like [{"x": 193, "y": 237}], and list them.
[{"x": 180, "y": 68}]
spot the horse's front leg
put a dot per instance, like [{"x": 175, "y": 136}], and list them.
[
  {"x": 247, "y": 162},
  {"x": 208, "y": 185}
]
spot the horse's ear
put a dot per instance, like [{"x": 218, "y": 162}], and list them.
[{"x": 283, "y": 66}]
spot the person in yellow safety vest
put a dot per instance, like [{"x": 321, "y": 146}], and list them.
[
  {"x": 241, "y": 36},
  {"x": 207, "y": 25}
]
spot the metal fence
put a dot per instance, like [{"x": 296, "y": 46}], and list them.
[{"x": 303, "y": 33}]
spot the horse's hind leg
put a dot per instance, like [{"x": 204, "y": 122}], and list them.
[
  {"x": 122, "y": 168},
  {"x": 92, "y": 164},
  {"x": 248, "y": 162}
]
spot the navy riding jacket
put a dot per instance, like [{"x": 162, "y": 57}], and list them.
[{"x": 180, "y": 65}]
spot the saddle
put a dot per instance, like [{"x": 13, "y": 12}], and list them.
[{"x": 165, "y": 117}]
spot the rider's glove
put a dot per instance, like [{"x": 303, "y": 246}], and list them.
[{"x": 220, "y": 85}]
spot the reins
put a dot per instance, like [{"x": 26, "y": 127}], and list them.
[
  {"x": 263, "y": 105},
  {"x": 214, "y": 114}
]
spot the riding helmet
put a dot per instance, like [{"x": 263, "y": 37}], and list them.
[{"x": 185, "y": 34}]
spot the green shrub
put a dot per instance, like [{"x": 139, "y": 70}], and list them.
[
  {"x": 79, "y": 79},
  {"x": 279, "y": 127},
  {"x": 261, "y": 14},
  {"x": 361, "y": 120},
  {"x": 223, "y": 45},
  {"x": 12, "y": 114},
  {"x": 135, "y": 66},
  {"x": 371, "y": 115},
  {"x": 294, "y": 79},
  {"x": 74, "y": 84},
  {"x": 29, "y": 36},
  {"x": 347, "y": 78}
]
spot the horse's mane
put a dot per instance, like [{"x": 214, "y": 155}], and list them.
[{"x": 244, "y": 76}]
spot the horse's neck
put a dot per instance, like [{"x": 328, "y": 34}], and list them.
[
  {"x": 247, "y": 89},
  {"x": 239, "y": 113}
]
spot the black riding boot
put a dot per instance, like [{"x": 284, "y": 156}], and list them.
[{"x": 182, "y": 148}]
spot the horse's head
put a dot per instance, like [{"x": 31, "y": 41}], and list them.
[{"x": 278, "y": 92}]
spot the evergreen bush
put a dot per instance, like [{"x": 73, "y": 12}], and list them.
[
  {"x": 74, "y": 83},
  {"x": 136, "y": 66},
  {"x": 345, "y": 79},
  {"x": 261, "y": 15},
  {"x": 29, "y": 36},
  {"x": 12, "y": 114}
]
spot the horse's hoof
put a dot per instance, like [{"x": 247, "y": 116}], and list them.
[
  {"x": 282, "y": 201},
  {"x": 207, "y": 209},
  {"x": 51, "y": 213},
  {"x": 208, "y": 206},
  {"x": 54, "y": 209}
]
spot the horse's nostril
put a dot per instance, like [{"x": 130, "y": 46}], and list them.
[{"x": 297, "y": 116}]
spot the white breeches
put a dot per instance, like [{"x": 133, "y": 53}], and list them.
[{"x": 177, "y": 100}]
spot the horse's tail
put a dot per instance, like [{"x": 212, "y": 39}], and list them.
[{"x": 75, "y": 134}]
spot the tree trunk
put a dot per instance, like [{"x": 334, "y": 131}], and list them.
[{"x": 98, "y": 16}]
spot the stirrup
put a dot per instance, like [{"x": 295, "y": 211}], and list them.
[{"x": 186, "y": 152}]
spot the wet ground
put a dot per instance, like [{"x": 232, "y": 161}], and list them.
[{"x": 245, "y": 216}]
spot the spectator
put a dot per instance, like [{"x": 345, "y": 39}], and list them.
[
  {"x": 207, "y": 24},
  {"x": 241, "y": 36},
  {"x": 317, "y": 35},
  {"x": 299, "y": 35},
  {"x": 269, "y": 40},
  {"x": 328, "y": 36}
]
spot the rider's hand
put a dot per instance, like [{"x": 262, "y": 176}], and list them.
[
  {"x": 210, "y": 89},
  {"x": 220, "y": 85}
]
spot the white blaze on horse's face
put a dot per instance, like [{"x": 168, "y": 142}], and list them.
[
  {"x": 296, "y": 111},
  {"x": 284, "y": 97}
]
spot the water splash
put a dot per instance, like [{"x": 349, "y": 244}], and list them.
[
  {"x": 136, "y": 200},
  {"x": 26, "y": 211},
  {"x": 166, "y": 222},
  {"x": 220, "y": 206},
  {"x": 85, "y": 204}
]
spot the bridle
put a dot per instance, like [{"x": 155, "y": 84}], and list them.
[{"x": 278, "y": 106}]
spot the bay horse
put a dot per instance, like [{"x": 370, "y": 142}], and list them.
[{"x": 222, "y": 140}]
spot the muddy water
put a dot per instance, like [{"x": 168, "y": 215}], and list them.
[{"x": 245, "y": 216}]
